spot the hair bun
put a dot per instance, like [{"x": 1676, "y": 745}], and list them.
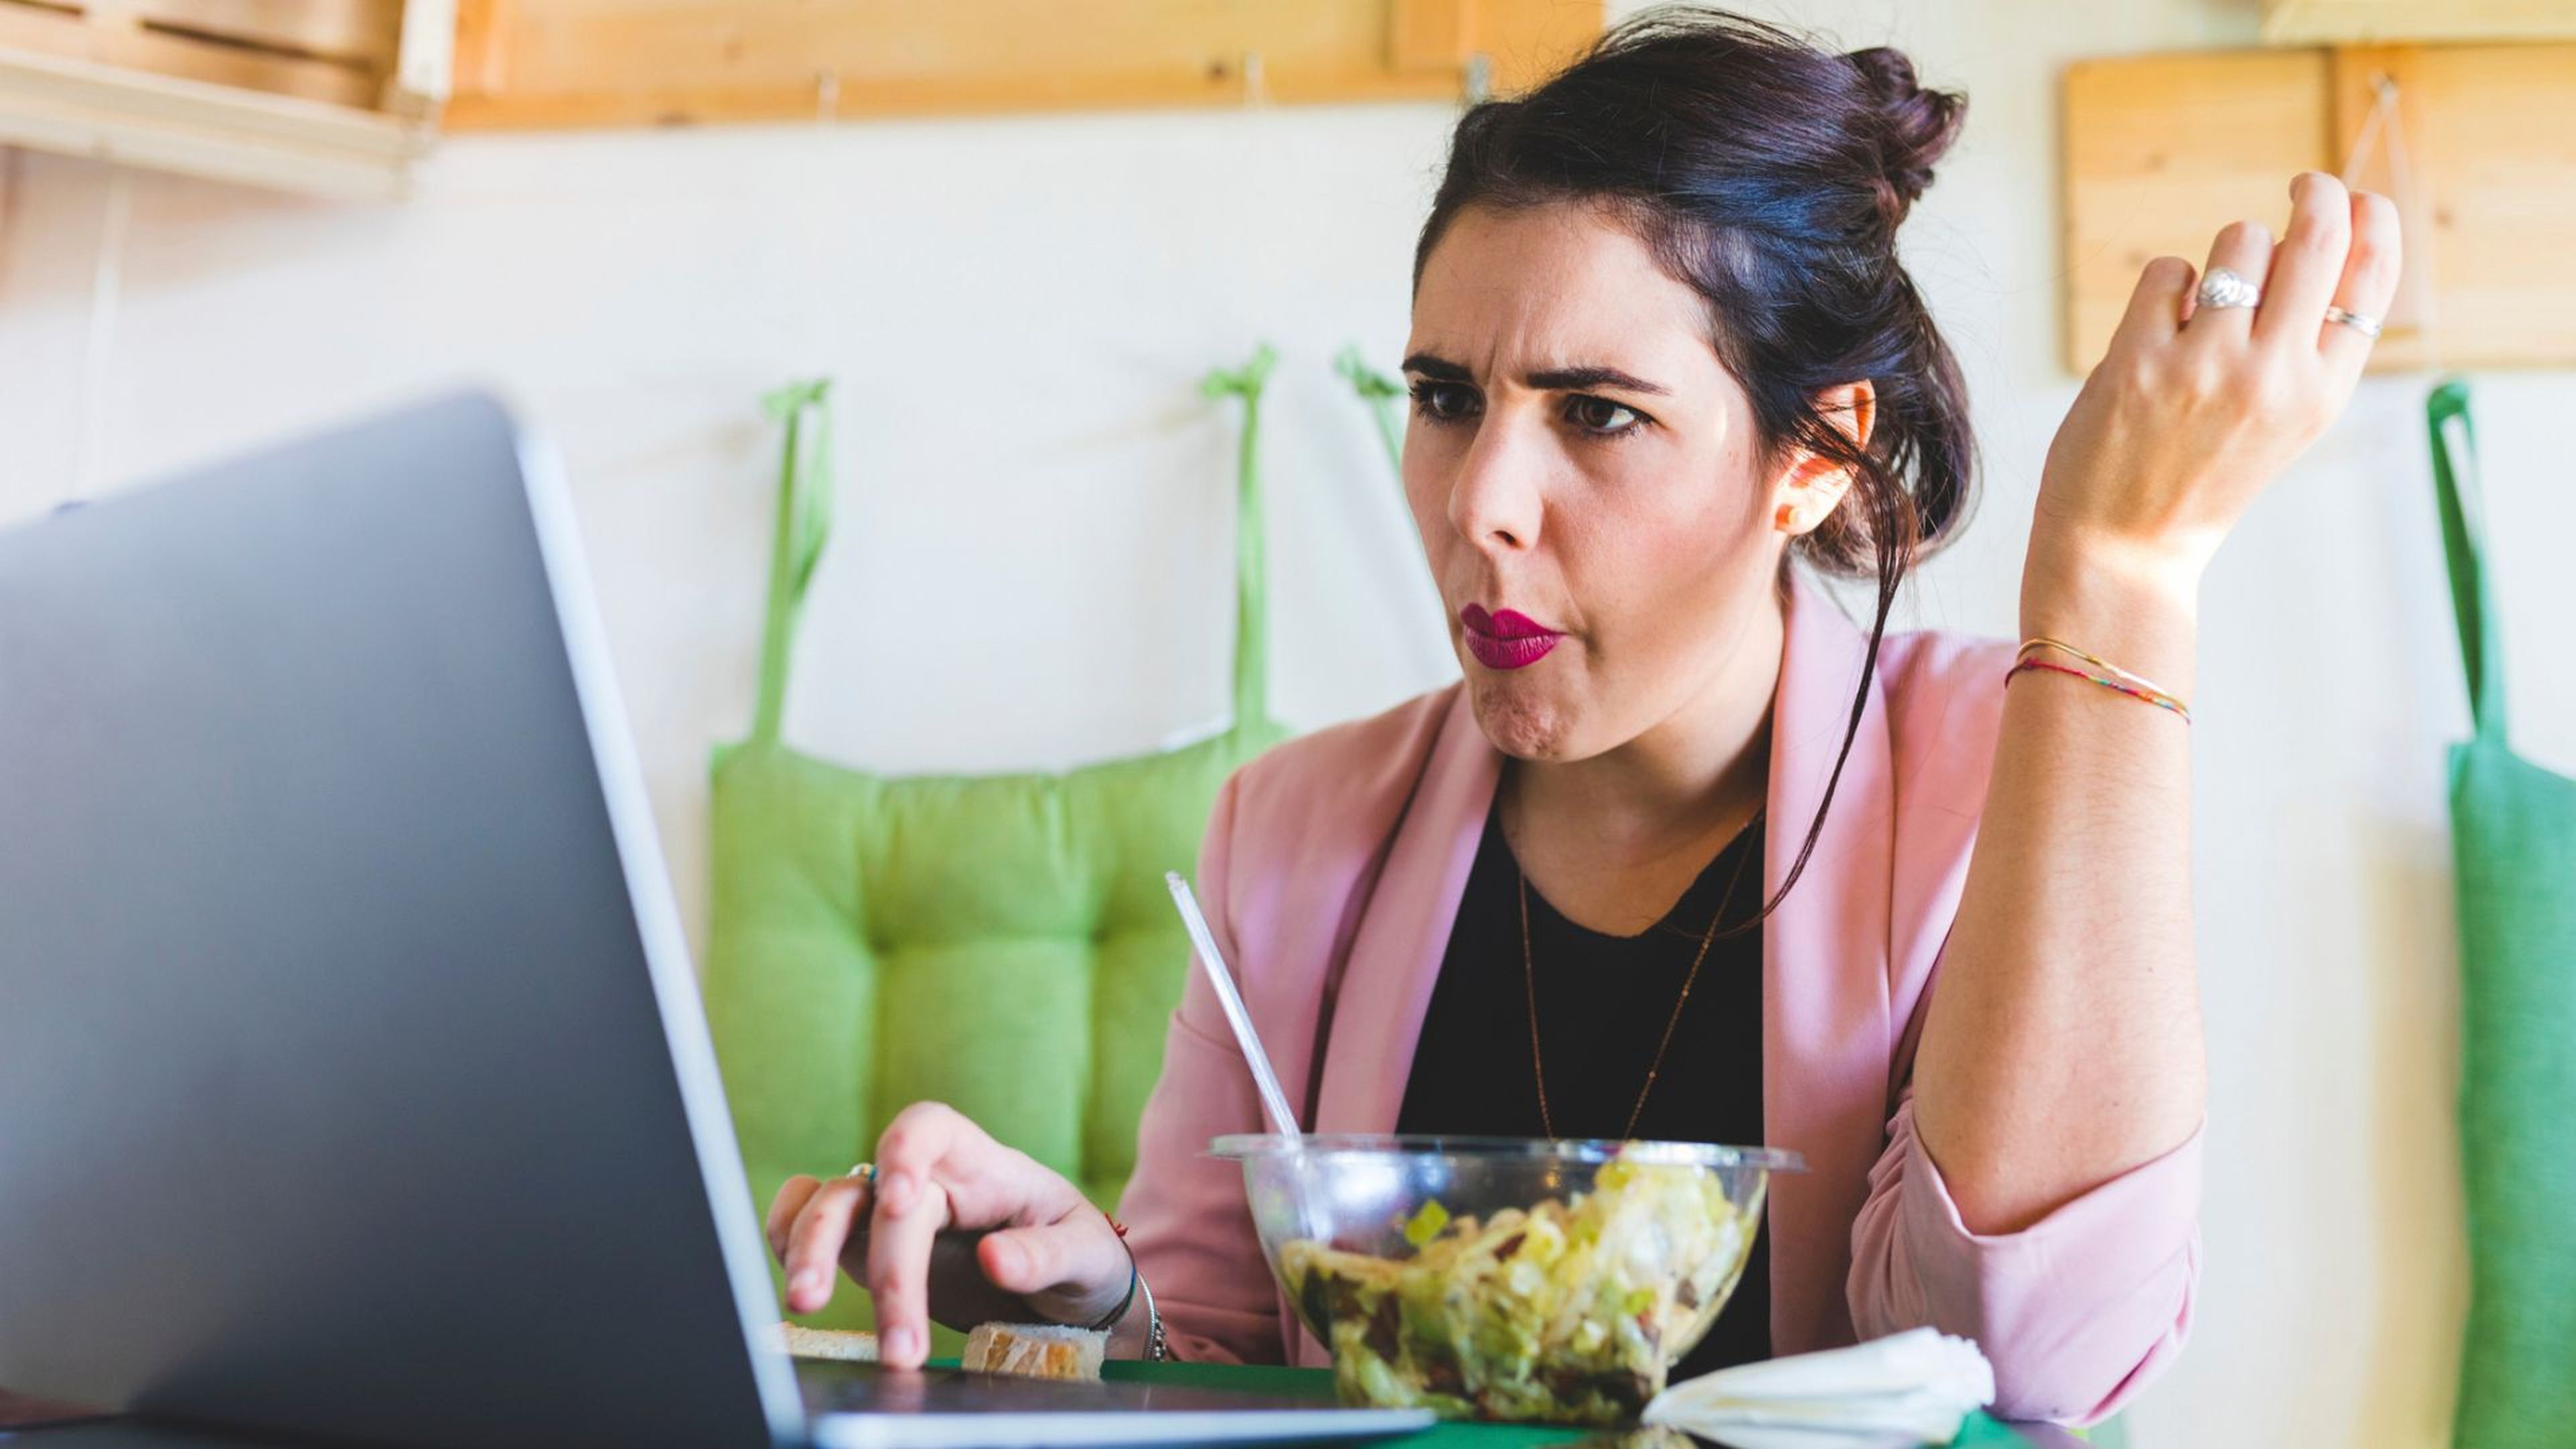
[{"x": 1916, "y": 125}]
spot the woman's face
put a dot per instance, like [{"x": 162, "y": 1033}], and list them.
[{"x": 1585, "y": 477}]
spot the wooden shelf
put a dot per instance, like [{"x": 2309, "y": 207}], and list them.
[
  {"x": 547, "y": 63},
  {"x": 2370, "y": 22},
  {"x": 2161, "y": 151},
  {"x": 332, "y": 97}
]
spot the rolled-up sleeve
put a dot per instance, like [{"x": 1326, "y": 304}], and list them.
[
  {"x": 2077, "y": 1311},
  {"x": 1187, "y": 1219}
]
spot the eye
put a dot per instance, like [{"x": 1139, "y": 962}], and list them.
[
  {"x": 1602, "y": 417},
  {"x": 1443, "y": 402}
]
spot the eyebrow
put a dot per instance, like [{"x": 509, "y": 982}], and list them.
[{"x": 1555, "y": 379}]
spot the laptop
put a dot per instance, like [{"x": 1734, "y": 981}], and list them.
[{"x": 353, "y": 1079}]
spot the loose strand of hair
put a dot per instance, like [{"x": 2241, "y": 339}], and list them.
[{"x": 1892, "y": 550}]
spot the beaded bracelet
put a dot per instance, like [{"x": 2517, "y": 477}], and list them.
[
  {"x": 2150, "y": 694},
  {"x": 2136, "y": 686}
]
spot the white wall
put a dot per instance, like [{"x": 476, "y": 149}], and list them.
[{"x": 1033, "y": 560}]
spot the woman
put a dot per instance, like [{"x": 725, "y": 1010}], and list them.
[{"x": 1685, "y": 853}]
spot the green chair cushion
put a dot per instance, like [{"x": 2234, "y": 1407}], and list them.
[{"x": 1000, "y": 943}]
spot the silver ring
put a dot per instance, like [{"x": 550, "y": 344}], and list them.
[
  {"x": 2221, "y": 287},
  {"x": 2361, "y": 322},
  {"x": 865, "y": 1172}
]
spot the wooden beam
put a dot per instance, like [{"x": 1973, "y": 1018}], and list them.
[
  {"x": 542, "y": 63},
  {"x": 119, "y": 114},
  {"x": 32, "y": 31},
  {"x": 425, "y": 60},
  {"x": 1427, "y": 35},
  {"x": 482, "y": 35},
  {"x": 62, "y": 84},
  {"x": 363, "y": 31},
  {"x": 2369, "y": 22}
]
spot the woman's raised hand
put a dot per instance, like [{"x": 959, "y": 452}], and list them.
[
  {"x": 2184, "y": 421},
  {"x": 957, "y": 1228}
]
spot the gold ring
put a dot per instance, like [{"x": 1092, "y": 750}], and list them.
[{"x": 865, "y": 1172}]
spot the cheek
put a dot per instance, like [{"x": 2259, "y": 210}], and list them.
[
  {"x": 1426, "y": 497},
  {"x": 1665, "y": 581},
  {"x": 1420, "y": 500}
]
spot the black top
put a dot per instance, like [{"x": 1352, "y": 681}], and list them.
[{"x": 1603, "y": 1002}]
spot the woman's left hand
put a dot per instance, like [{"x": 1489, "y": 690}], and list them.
[
  {"x": 2183, "y": 422},
  {"x": 2063, "y": 1044}
]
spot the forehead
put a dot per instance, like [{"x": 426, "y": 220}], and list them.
[{"x": 1560, "y": 282}]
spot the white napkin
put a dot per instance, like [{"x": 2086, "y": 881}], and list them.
[{"x": 1909, "y": 1388}]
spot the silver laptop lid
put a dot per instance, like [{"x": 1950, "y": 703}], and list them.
[{"x": 352, "y": 1075}]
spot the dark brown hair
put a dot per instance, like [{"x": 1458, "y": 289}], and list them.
[{"x": 1770, "y": 175}]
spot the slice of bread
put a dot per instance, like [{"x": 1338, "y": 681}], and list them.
[
  {"x": 841, "y": 1343},
  {"x": 1036, "y": 1350}
]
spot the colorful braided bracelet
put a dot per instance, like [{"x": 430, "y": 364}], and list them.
[{"x": 2113, "y": 676}]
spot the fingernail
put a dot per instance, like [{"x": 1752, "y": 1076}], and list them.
[
  {"x": 805, "y": 1284},
  {"x": 1010, "y": 1260},
  {"x": 899, "y": 1346},
  {"x": 895, "y": 1191}
]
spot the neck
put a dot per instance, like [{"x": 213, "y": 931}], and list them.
[{"x": 1699, "y": 772}]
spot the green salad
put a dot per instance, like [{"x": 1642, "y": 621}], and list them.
[{"x": 1570, "y": 1312}]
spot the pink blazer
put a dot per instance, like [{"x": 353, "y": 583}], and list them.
[{"x": 1331, "y": 874}]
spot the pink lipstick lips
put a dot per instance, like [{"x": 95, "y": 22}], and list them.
[{"x": 1507, "y": 640}]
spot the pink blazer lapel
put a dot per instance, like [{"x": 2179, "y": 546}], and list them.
[
  {"x": 1827, "y": 1027},
  {"x": 1396, "y": 950},
  {"x": 1396, "y": 953}
]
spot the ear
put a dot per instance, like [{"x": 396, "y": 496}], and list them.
[{"x": 1812, "y": 487}]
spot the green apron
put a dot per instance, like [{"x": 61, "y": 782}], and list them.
[
  {"x": 1001, "y": 943},
  {"x": 2513, "y": 841}
]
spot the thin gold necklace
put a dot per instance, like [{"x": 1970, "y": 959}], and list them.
[{"x": 1529, "y": 976}]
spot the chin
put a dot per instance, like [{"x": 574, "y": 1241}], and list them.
[{"x": 1521, "y": 721}]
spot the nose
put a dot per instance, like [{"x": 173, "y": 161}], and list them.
[{"x": 1494, "y": 498}]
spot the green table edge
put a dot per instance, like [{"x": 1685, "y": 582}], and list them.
[{"x": 1980, "y": 1430}]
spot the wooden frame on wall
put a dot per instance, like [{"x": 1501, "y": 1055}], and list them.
[
  {"x": 525, "y": 64},
  {"x": 331, "y": 97},
  {"x": 2161, "y": 151},
  {"x": 2374, "y": 22}
]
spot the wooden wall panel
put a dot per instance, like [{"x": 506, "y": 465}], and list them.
[
  {"x": 331, "y": 97},
  {"x": 360, "y": 31},
  {"x": 2161, "y": 151},
  {"x": 542, "y": 63},
  {"x": 2494, "y": 136},
  {"x": 168, "y": 39},
  {"x": 2361, "y": 22}
]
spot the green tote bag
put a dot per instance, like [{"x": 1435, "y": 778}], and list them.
[
  {"x": 2513, "y": 840},
  {"x": 1000, "y": 943}
]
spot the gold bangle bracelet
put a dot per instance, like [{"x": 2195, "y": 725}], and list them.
[
  {"x": 2155, "y": 697},
  {"x": 2097, "y": 661}
]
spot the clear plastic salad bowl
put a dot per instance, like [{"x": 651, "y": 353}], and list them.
[{"x": 1504, "y": 1278}]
